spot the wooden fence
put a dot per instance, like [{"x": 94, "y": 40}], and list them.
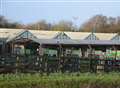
[{"x": 45, "y": 64}]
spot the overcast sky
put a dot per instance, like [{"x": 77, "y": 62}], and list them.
[{"x": 78, "y": 11}]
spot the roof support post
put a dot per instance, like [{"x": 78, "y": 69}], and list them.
[
  {"x": 12, "y": 47},
  {"x": 83, "y": 50},
  {"x": 115, "y": 49},
  {"x": 60, "y": 51},
  {"x": 41, "y": 53},
  {"x": 3, "y": 48},
  {"x": 91, "y": 51},
  {"x": 60, "y": 54},
  {"x": 90, "y": 58},
  {"x": 114, "y": 67}
]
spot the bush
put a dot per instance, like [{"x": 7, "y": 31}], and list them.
[{"x": 86, "y": 80}]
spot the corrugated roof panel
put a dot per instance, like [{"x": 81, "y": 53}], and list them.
[
  {"x": 105, "y": 36},
  {"x": 9, "y": 33},
  {"x": 77, "y": 35},
  {"x": 44, "y": 34},
  {"x": 62, "y": 35},
  {"x": 92, "y": 36}
]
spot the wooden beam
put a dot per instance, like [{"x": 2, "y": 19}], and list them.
[
  {"x": 115, "y": 49},
  {"x": 3, "y": 48}
]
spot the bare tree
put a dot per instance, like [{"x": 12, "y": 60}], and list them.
[{"x": 63, "y": 26}]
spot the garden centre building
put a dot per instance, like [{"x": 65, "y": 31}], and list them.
[
  {"x": 22, "y": 41},
  {"x": 17, "y": 41}
]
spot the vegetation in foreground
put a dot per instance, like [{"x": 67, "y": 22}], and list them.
[{"x": 57, "y": 80}]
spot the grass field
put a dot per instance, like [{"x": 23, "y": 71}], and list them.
[{"x": 57, "y": 80}]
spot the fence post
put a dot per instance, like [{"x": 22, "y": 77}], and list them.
[{"x": 17, "y": 64}]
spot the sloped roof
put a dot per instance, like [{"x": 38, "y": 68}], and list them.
[
  {"x": 91, "y": 36},
  {"x": 105, "y": 36},
  {"x": 77, "y": 35},
  {"x": 116, "y": 37},
  {"x": 44, "y": 34},
  {"x": 61, "y": 35},
  {"x": 12, "y": 33},
  {"x": 9, "y": 33},
  {"x": 79, "y": 42}
]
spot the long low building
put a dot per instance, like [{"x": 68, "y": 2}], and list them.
[
  {"x": 11, "y": 40},
  {"x": 8, "y": 35}
]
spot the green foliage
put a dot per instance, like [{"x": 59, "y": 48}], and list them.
[{"x": 58, "y": 80}]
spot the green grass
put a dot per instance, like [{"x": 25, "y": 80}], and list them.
[{"x": 57, "y": 80}]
